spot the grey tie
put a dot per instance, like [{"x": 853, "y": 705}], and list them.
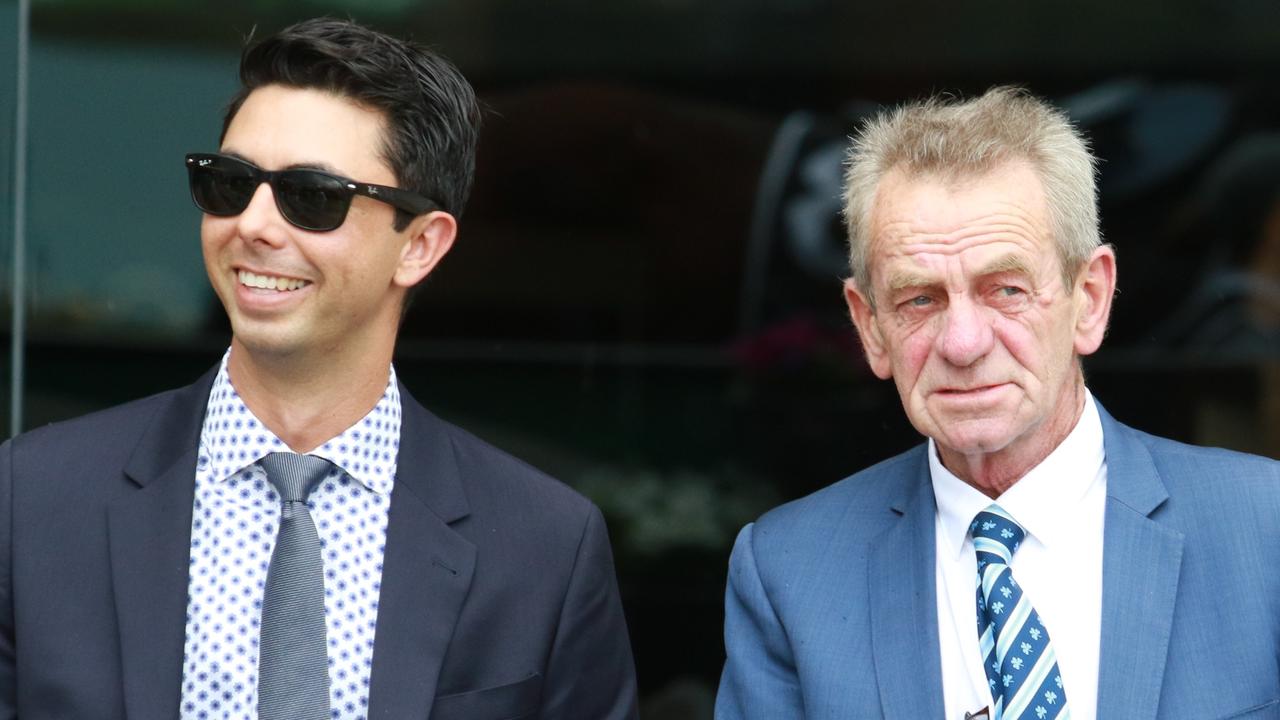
[{"x": 293, "y": 659}]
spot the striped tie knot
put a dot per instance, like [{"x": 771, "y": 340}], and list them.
[{"x": 996, "y": 536}]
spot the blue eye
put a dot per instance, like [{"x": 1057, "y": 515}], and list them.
[{"x": 920, "y": 301}]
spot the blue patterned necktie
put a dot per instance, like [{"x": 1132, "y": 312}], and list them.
[{"x": 1022, "y": 669}]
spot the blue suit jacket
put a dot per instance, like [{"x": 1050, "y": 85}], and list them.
[
  {"x": 498, "y": 597},
  {"x": 831, "y": 609}
]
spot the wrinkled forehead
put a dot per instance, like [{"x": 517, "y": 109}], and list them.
[
  {"x": 1004, "y": 261},
  {"x": 998, "y": 214}
]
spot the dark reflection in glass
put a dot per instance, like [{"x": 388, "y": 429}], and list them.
[{"x": 10, "y": 24}]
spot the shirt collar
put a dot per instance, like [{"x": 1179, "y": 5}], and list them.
[
  {"x": 1043, "y": 502},
  {"x": 233, "y": 438}
]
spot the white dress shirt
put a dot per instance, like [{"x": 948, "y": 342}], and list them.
[
  {"x": 1061, "y": 504},
  {"x": 235, "y": 517}
]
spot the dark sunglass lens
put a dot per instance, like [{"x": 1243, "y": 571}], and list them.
[
  {"x": 311, "y": 200},
  {"x": 221, "y": 187}
]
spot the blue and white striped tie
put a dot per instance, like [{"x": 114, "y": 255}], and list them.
[{"x": 1022, "y": 669}]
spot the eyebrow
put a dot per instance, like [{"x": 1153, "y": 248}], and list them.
[
  {"x": 1006, "y": 264},
  {"x": 1014, "y": 264},
  {"x": 901, "y": 280}
]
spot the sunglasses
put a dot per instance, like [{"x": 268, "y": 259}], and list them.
[{"x": 310, "y": 199}]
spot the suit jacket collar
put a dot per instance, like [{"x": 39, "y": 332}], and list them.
[
  {"x": 149, "y": 532},
  {"x": 1141, "y": 562},
  {"x": 427, "y": 566},
  {"x": 903, "y": 603},
  {"x": 427, "y": 464}
]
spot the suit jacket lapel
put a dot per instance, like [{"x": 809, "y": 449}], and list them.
[
  {"x": 903, "y": 605},
  {"x": 1140, "y": 567},
  {"x": 427, "y": 569},
  {"x": 149, "y": 528}
]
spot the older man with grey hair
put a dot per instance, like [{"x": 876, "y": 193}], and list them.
[{"x": 1035, "y": 558}]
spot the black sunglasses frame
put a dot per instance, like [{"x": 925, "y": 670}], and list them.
[{"x": 198, "y": 163}]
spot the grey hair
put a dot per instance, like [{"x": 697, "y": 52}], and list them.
[{"x": 954, "y": 140}]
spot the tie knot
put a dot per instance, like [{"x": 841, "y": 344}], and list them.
[
  {"x": 294, "y": 475},
  {"x": 994, "y": 531}
]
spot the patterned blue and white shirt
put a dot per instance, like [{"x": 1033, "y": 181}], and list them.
[{"x": 233, "y": 530}]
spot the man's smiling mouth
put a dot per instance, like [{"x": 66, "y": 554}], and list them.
[{"x": 270, "y": 282}]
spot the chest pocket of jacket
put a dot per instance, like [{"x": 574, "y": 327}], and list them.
[
  {"x": 1265, "y": 710},
  {"x": 504, "y": 702}
]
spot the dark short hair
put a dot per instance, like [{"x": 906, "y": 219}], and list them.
[{"x": 430, "y": 109}]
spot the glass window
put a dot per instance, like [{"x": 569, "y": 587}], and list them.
[{"x": 645, "y": 297}]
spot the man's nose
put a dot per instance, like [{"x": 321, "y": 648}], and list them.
[
  {"x": 261, "y": 219},
  {"x": 966, "y": 334}
]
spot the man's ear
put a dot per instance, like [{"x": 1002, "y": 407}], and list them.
[
  {"x": 1095, "y": 286},
  {"x": 864, "y": 319},
  {"x": 429, "y": 238}
]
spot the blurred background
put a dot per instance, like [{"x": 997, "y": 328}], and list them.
[{"x": 645, "y": 299}]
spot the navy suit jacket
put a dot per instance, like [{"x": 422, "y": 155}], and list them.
[
  {"x": 498, "y": 600},
  {"x": 831, "y": 609}
]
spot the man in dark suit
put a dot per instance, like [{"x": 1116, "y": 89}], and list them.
[
  {"x": 1035, "y": 559},
  {"x": 143, "y": 547}
]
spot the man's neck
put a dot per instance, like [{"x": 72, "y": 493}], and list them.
[
  {"x": 308, "y": 400},
  {"x": 994, "y": 473}
]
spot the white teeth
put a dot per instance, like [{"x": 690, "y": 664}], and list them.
[{"x": 270, "y": 282}]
